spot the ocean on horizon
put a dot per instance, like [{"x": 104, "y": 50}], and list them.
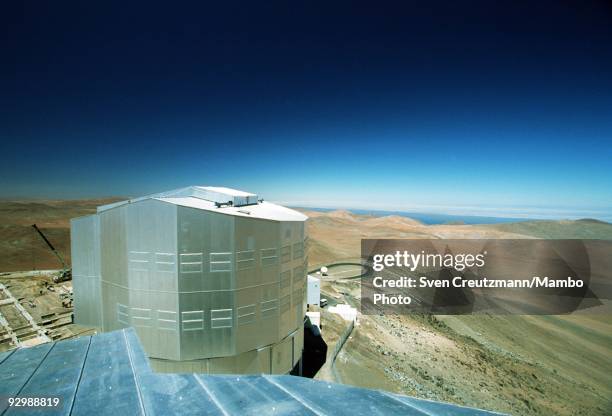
[{"x": 433, "y": 219}]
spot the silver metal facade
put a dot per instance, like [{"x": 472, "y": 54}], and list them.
[
  {"x": 207, "y": 288},
  {"x": 85, "y": 249}
]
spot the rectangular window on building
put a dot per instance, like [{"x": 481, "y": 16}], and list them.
[
  {"x": 285, "y": 304},
  {"x": 246, "y": 314},
  {"x": 165, "y": 262},
  {"x": 139, "y": 260},
  {"x": 192, "y": 320},
  {"x": 285, "y": 279},
  {"x": 286, "y": 254},
  {"x": 298, "y": 251},
  {"x": 191, "y": 262},
  {"x": 245, "y": 259},
  {"x": 269, "y": 308},
  {"x": 166, "y": 320},
  {"x": 269, "y": 256},
  {"x": 298, "y": 275},
  {"x": 141, "y": 317},
  {"x": 221, "y": 318},
  {"x": 123, "y": 314},
  {"x": 220, "y": 262}
]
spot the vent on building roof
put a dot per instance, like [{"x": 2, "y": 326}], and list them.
[{"x": 224, "y": 196}]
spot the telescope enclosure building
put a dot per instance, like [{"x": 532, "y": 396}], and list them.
[{"x": 212, "y": 279}]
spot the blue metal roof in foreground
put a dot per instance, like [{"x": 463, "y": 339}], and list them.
[{"x": 109, "y": 374}]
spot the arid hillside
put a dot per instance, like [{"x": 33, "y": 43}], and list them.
[
  {"x": 21, "y": 248},
  {"x": 522, "y": 365},
  {"x": 337, "y": 235}
]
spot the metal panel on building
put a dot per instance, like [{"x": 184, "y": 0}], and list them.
[{"x": 85, "y": 248}]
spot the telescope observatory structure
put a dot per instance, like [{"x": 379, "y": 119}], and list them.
[{"x": 212, "y": 279}]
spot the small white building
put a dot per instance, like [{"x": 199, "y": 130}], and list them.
[
  {"x": 313, "y": 291},
  {"x": 347, "y": 312}
]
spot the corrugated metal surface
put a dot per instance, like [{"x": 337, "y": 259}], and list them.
[
  {"x": 108, "y": 374},
  {"x": 197, "y": 282}
]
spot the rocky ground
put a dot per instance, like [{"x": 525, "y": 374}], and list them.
[
  {"x": 522, "y": 365},
  {"x": 424, "y": 357}
]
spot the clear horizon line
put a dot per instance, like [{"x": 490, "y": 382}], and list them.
[
  {"x": 489, "y": 212},
  {"x": 519, "y": 213}
]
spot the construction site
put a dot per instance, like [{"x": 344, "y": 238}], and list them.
[
  {"x": 34, "y": 309},
  {"x": 37, "y": 307}
]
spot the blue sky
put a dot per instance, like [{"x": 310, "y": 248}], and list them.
[{"x": 475, "y": 108}]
